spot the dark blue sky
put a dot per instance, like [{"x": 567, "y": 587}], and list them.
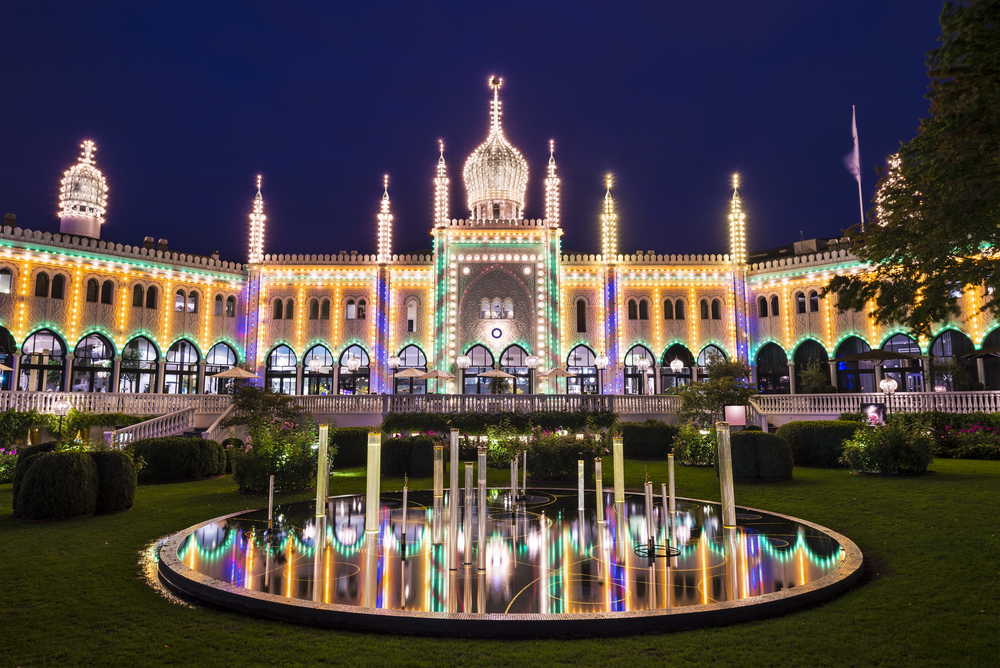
[{"x": 189, "y": 101}]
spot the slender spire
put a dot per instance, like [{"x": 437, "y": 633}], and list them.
[
  {"x": 495, "y": 84},
  {"x": 609, "y": 227},
  {"x": 257, "y": 219},
  {"x": 737, "y": 226},
  {"x": 441, "y": 190},
  {"x": 385, "y": 226},
  {"x": 552, "y": 188}
]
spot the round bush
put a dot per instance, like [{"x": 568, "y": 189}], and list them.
[
  {"x": 57, "y": 485},
  {"x": 38, "y": 448},
  {"x": 817, "y": 442},
  {"x": 651, "y": 438},
  {"x": 759, "y": 456},
  {"x": 173, "y": 458},
  {"x": 252, "y": 472},
  {"x": 352, "y": 446},
  {"x": 892, "y": 448},
  {"x": 117, "y": 479}
]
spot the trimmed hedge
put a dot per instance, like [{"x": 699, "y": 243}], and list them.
[
  {"x": 172, "y": 458},
  {"x": 817, "y": 442},
  {"x": 555, "y": 457},
  {"x": 413, "y": 456},
  {"x": 651, "y": 438},
  {"x": 757, "y": 455},
  {"x": 116, "y": 480},
  {"x": 477, "y": 422},
  {"x": 352, "y": 446},
  {"x": 54, "y": 485},
  {"x": 36, "y": 449}
]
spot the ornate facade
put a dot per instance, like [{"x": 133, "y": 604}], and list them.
[{"x": 496, "y": 292}]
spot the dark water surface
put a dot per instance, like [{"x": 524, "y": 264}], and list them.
[{"x": 541, "y": 555}]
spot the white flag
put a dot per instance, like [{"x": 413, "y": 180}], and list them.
[{"x": 853, "y": 159}]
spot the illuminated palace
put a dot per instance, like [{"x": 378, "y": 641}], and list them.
[{"x": 497, "y": 292}]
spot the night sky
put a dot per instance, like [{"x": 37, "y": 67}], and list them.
[{"x": 189, "y": 102}]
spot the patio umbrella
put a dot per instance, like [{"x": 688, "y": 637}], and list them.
[
  {"x": 496, "y": 373},
  {"x": 410, "y": 373},
  {"x": 439, "y": 375},
  {"x": 235, "y": 372},
  {"x": 992, "y": 351},
  {"x": 558, "y": 373},
  {"x": 876, "y": 357}
]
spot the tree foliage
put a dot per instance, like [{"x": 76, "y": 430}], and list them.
[
  {"x": 257, "y": 407},
  {"x": 937, "y": 219},
  {"x": 728, "y": 384}
]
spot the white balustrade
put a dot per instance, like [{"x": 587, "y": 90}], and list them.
[
  {"x": 216, "y": 432},
  {"x": 170, "y": 424},
  {"x": 906, "y": 402},
  {"x": 114, "y": 402}
]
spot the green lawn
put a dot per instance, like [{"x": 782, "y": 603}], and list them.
[{"x": 72, "y": 593}]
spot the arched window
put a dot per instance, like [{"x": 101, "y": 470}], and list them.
[
  {"x": 93, "y": 291},
  {"x": 949, "y": 369},
  {"x": 411, "y": 315},
  {"x": 679, "y": 309},
  {"x": 762, "y": 307},
  {"x": 138, "y": 367},
  {"x": 643, "y": 309},
  {"x": 582, "y": 361},
  {"x": 670, "y": 378},
  {"x": 716, "y": 309},
  {"x": 633, "y": 310},
  {"x": 800, "y": 302},
  {"x": 107, "y": 292},
  {"x": 634, "y": 376},
  {"x": 137, "y": 297},
  {"x": 192, "y": 302},
  {"x": 352, "y": 310},
  {"x": 813, "y": 301},
  {"x": 324, "y": 310},
  {"x": 230, "y": 307},
  {"x": 317, "y": 371},
  {"x": 806, "y": 354},
  {"x": 497, "y": 311},
  {"x": 180, "y": 300},
  {"x": 42, "y": 284},
  {"x": 58, "y": 286},
  {"x": 514, "y": 361},
  {"x": 6, "y": 281},
  {"x": 774, "y": 305},
  {"x": 355, "y": 382},
  {"x": 278, "y": 310},
  {"x": 508, "y": 308},
  {"x": 218, "y": 305},
  {"x": 908, "y": 373},
  {"x": 410, "y": 357},
  {"x": 7, "y": 349},
  {"x": 707, "y": 353},
  {"x": 92, "y": 365},
  {"x": 43, "y": 362},
  {"x": 668, "y": 309},
  {"x": 481, "y": 362},
  {"x": 991, "y": 365},
  {"x": 180, "y": 374},
  {"x": 279, "y": 371},
  {"x": 854, "y": 377},
  {"x": 151, "y": 297},
  {"x": 772, "y": 370},
  {"x": 704, "y": 309},
  {"x": 361, "y": 309},
  {"x": 289, "y": 309},
  {"x": 581, "y": 316},
  {"x": 221, "y": 357},
  {"x": 314, "y": 309},
  {"x": 484, "y": 309}
]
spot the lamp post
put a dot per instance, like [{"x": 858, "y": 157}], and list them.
[
  {"x": 601, "y": 362},
  {"x": 313, "y": 365},
  {"x": 532, "y": 361},
  {"x": 393, "y": 363},
  {"x": 61, "y": 408},
  {"x": 353, "y": 364},
  {"x": 676, "y": 366},
  {"x": 463, "y": 362},
  {"x": 888, "y": 386},
  {"x": 643, "y": 365}
]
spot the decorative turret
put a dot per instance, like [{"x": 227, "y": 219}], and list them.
[
  {"x": 552, "y": 188},
  {"x": 496, "y": 175},
  {"x": 609, "y": 228},
  {"x": 83, "y": 196},
  {"x": 737, "y": 226},
  {"x": 385, "y": 226},
  {"x": 441, "y": 190},
  {"x": 257, "y": 219}
]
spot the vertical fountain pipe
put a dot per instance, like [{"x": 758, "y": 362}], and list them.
[
  {"x": 666, "y": 507},
  {"x": 322, "y": 472},
  {"x": 467, "y": 525},
  {"x": 513, "y": 481},
  {"x": 673, "y": 497},
  {"x": 650, "y": 536},
  {"x": 617, "y": 450},
  {"x": 438, "y": 493},
  {"x": 453, "y": 504},
  {"x": 270, "y": 503},
  {"x": 579, "y": 484},
  {"x": 481, "y": 513},
  {"x": 402, "y": 550},
  {"x": 374, "y": 482},
  {"x": 726, "y": 475},
  {"x": 524, "y": 475},
  {"x": 600, "y": 490}
]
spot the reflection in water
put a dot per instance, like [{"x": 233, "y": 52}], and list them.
[{"x": 542, "y": 555}]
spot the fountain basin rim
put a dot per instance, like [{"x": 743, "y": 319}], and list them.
[{"x": 180, "y": 577}]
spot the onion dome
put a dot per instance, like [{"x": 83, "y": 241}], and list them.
[
  {"x": 84, "y": 192},
  {"x": 496, "y": 174}
]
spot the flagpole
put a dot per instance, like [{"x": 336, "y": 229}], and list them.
[{"x": 861, "y": 204}]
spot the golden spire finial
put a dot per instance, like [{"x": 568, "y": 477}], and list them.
[
  {"x": 736, "y": 181},
  {"x": 385, "y": 185},
  {"x": 258, "y": 184}
]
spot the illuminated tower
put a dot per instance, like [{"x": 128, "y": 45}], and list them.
[
  {"x": 83, "y": 196},
  {"x": 609, "y": 228},
  {"x": 496, "y": 175},
  {"x": 737, "y": 226},
  {"x": 609, "y": 255},
  {"x": 552, "y": 189},
  {"x": 385, "y": 226},
  {"x": 740, "y": 328},
  {"x": 441, "y": 191},
  {"x": 257, "y": 219}
]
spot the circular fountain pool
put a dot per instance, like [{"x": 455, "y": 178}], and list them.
[{"x": 545, "y": 568}]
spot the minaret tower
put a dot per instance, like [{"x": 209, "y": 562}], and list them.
[
  {"x": 609, "y": 228},
  {"x": 552, "y": 189},
  {"x": 441, "y": 190},
  {"x": 385, "y": 226},
  {"x": 383, "y": 292},
  {"x": 609, "y": 255},
  {"x": 257, "y": 219},
  {"x": 738, "y": 258},
  {"x": 83, "y": 196},
  {"x": 737, "y": 226}
]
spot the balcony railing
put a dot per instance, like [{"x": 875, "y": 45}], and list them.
[
  {"x": 170, "y": 424},
  {"x": 906, "y": 402},
  {"x": 486, "y": 403},
  {"x": 114, "y": 402}
]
